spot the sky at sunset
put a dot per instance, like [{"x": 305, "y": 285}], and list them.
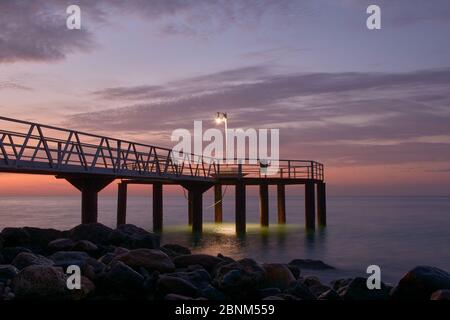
[{"x": 372, "y": 105}]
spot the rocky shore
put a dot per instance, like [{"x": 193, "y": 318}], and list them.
[{"x": 129, "y": 263}]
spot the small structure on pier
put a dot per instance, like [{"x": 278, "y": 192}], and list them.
[{"x": 91, "y": 162}]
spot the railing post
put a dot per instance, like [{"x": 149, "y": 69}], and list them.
[
  {"x": 312, "y": 169},
  {"x": 59, "y": 155},
  {"x": 289, "y": 169}
]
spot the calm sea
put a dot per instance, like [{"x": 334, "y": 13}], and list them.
[{"x": 396, "y": 233}]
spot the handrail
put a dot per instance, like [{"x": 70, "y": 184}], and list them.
[{"x": 123, "y": 157}]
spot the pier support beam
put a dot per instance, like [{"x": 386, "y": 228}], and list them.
[
  {"x": 190, "y": 207},
  {"x": 281, "y": 202},
  {"x": 89, "y": 187},
  {"x": 264, "y": 204},
  {"x": 122, "y": 203},
  {"x": 195, "y": 192},
  {"x": 321, "y": 205},
  {"x": 157, "y": 207},
  {"x": 309, "y": 206},
  {"x": 218, "y": 208},
  {"x": 240, "y": 213}
]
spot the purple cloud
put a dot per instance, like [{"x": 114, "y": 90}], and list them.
[{"x": 337, "y": 116}]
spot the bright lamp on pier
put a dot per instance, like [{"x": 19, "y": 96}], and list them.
[{"x": 222, "y": 117}]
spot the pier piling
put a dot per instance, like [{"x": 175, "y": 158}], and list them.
[
  {"x": 281, "y": 202},
  {"x": 89, "y": 187},
  {"x": 121, "y": 203},
  {"x": 309, "y": 206},
  {"x": 321, "y": 204},
  {"x": 240, "y": 212},
  {"x": 157, "y": 207},
  {"x": 218, "y": 208},
  {"x": 195, "y": 198},
  {"x": 264, "y": 204}
]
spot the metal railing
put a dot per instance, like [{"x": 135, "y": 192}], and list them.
[
  {"x": 37, "y": 147},
  {"x": 32, "y": 147},
  {"x": 281, "y": 169}
]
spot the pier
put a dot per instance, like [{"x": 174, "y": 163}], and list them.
[{"x": 91, "y": 162}]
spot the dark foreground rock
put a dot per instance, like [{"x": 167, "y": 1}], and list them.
[
  {"x": 150, "y": 259},
  {"x": 40, "y": 282},
  {"x": 357, "y": 290},
  {"x": 441, "y": 295},
  {"x": 132, "y": 237},
  {"x": 310, "y": 264},
  {"x": 129, "y": 263},
  {"x": 421, "y": 282}
]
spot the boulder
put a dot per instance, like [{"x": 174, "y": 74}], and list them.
[
  {"x": 15, "y": 237},
  {"x": 61, "y": 244},
  {"x": 169, "y": 284},
  {"x": 225, "y": 258},
  {"x": 211, "y": 293},
  {"x": 7, "y": 272},
  {"x": 123, "y": 279},
  {"x": 176, "y": 297},
  {"x": 206, "y": 261},
  {"x": 270, "y": 298},
  {"x": 329, "y": 295},
  {"x": 310, "y": 281},
  {"x": 296, "y": 272},
  {"x": 91, "y": 268},
  {"x": 85, "y": 246},
  {"x": 300, "y": 290},
  {"x": 86, "y": 290},
  {"x": 150, "y": 259},
  {"x": 25, "y": 259},
  {"x": 199, "y": 278},
  {"x": 67, "y": 258},
  {"x": 9, "y": 253},
  {"x": 240, "y": 279},
  {"x": 29, "y": 237},
  {"x": 132, "y": 237},
  {"x": 310, "y": 264},
  {"x": 340, "y": 283},
  {"x": 40, "y": 282},
  {"x": 41, "y": 237},
  {"x": 176, "y": 248},
  {"x": 120, "y": 250},
  {"x": 319, "y": 289},
  {"x": 277, "y": 276},
  {"x": 441, "y": 295},
  {"x": 94, "y": 232},
  {"x": 357, "y": 290},
  {"x": 421, "y": 282},
  {"x": 267, "y": 292},
  {"x": 107, "y": 258}
]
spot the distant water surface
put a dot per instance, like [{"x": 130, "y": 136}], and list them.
[{"x": 396, "y": 233}]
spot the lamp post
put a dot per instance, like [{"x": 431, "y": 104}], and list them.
[{"x": 222, "y": 117}]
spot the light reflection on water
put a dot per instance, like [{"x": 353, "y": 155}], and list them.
[{"x": 396, "y": 233}]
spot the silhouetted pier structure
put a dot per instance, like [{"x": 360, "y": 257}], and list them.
[{"x": 91, "y": 162}]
